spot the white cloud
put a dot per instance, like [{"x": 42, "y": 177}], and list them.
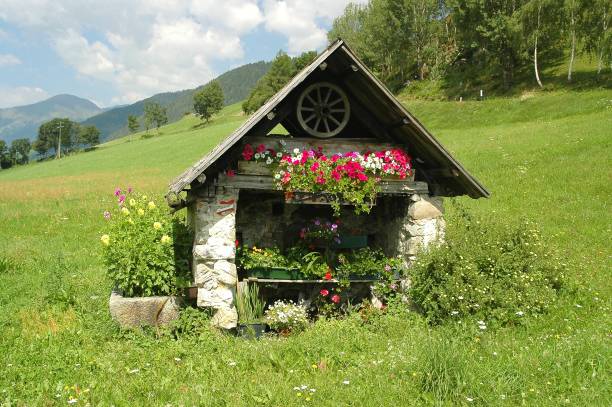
[
  {"x": 141, "y": 47},
  {"x": 21, "y": 95},
  {"x": 300, "y": 21},
  {"x": 9, "y": 59}
]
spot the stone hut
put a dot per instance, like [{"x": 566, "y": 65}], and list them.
[{"x": 335, "y": 104}]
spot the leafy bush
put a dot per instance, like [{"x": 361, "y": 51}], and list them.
[
  {"x": 287, "y": 316},
  {"x": 496, "y": 273},
  {"x": 191, "y": 322},
  {"x": 145, "y": 249}
]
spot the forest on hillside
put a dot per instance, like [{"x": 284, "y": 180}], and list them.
[{"x": 465, "y": 43}]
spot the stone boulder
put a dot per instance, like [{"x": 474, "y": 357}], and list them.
[{"x": 139, "y": 311}]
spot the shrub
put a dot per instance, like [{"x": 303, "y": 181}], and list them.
[
  {"x": 287, "y": 316},
  {"x": 191, "y": 322},
  {"x": 144, "y": 249},
  {"x": 496, "y": 273}
]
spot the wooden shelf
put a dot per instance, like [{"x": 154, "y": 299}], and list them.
[
  {"x": 266, "y": 182},
  {"x": 270, "y": 280}
]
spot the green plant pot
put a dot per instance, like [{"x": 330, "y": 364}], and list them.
[
  {"x": 351, "y": 242},
  {"x": 275, "y": 273},
  {"x": 251, "y": 331}
]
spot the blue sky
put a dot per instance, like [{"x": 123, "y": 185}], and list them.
[{"x": 120, "y": 51}]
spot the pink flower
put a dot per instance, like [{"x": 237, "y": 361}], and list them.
[
  {"x": 335, "y": 298},
  {"x": 247, "y": 153},
  {"x": 314, "y": 166},
  {"x": 107, "y": 215},
  {"x": 320, "y": 180},
  {"x": 129, "y": 190},
  {"x": 261, "y": 148},
  {"x": 121, "y": 199},
  {"x": 324, "y": 292},
  {"x": 117, "y": 192}
]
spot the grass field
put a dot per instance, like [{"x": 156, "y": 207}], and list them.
[{"x": 545, "y": 156}]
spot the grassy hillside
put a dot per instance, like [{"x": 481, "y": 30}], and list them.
[
  {"x": 544, "y": 157},
  {"x": 236, "y": 85}
]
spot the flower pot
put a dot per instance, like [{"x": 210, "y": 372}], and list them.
[
  {"x": 132, "y": 312},
  {"x": 351, "y": 242},
  {"x": 251, "y": 331},
  {"x": 275, "y": 273}
]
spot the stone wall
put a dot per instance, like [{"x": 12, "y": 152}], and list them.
[
  {"x": 400, "y": 225},
  {"x": 214, "y": 252}
]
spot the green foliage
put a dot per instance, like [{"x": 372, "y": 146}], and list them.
[
  {"x": 49, "y": 136},
  {"x": 208, "y": 101},
  {"x": 139, "y": 248},
  {"x": 5, "y": 158},
  {"x": 133, "y": 124},
  {"x": 500, "y": 274},
  {"x": 287, "y": 316},
  {"x": 7, "y": 265},
  {"x": 192, "y": 322},
  {"x": 283, "y": 68},
  {"x": 253, "y": 258},
  {"x": 249, "y": 305},
  {"x": 89, "y": 136},
  {"x": 154, "y": 115}
]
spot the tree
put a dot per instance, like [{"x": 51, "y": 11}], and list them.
[
  {"x": 208, "y": 101},
  {"x": 20, "y": 151},
  {"x": 5, "y": 161},
  {"x": 282, "y": 70},
  {"x": 155, "y": 114},
  {"x": 133, "y": 125},
  {"x": 49, "y": 135},
  {"x": 89, "y": 136}
]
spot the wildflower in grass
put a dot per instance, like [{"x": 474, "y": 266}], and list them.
[
  {"x": 469, "y": 399},
  {"x": 165, "y": 239},
  {"x": 125, "y": 211},
  {"x": 346, "y": 382},
  {"x": 121, "y": 199},
  {"x": 129, "y": 190},
  {"x": 107, "y": 215},
  {"x": 151, "y": 205},
  {"x": 140, "y": 211},
  {"x": 72, "y": 400},
  {"x": 520, "y": 313},
  {"x": 132, "y": 202},
  {"x": 117, "y": 191},
  {"x": 157, "y": 225},
  {"x": 105, "y": 239}
]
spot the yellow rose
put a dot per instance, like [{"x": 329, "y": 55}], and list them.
[
  {"x": 141, "y": 211},
  {"x": 132, "y": 202},
  {"x": 151, "y": 205},
  {"x": 105, "y": 239},
  {"x": 157, "y": 225},
  {"x": 166, "y": 239},
  {"x": 125, "y": 211}
]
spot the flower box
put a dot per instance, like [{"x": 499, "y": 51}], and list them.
[
  {"x": 351, "y": 242},
  {"x": 275, "y": 273},
  {"x": 133, "y": 312},
  {"x": 253, "y": 167}
]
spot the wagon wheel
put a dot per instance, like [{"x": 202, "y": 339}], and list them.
[{"x": 323, "y": 110}]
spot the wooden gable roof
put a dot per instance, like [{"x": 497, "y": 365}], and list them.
[{"x": 373, "y": 104}]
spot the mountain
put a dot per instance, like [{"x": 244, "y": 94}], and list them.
[
  {"x": 236, "y": 84},
  {"x": 23, "y": 121}
]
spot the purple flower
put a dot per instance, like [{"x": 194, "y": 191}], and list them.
[
  {"x": 317, "y": 222},
  {"x": 117, "y": 192},
  {"x": 107, "y": 215},
  {"x": 334, "y": 226},
  {"x": 121, "y": 199},
  {"x": 129, "y": 190}
]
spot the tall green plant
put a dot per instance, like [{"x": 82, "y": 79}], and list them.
[{"x": 249, "y": 305}]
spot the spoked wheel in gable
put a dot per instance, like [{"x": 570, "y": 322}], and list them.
[{"x": 323, "y": 110}]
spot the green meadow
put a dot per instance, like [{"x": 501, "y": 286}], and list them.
[{"x": 544, "y": 157}]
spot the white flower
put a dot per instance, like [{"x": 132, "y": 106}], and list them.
[
  {"x": 257, "y": 156},
  {"x": 520, "y": 313},
  {"x": 296, "y": 151},
  {"x": 134, "y": 371},
  {"x": 346, "y": 382},
  {"x": 72, "y": 400},
  {"x": 177, "y": 359},
  {"x": 469, "y": 399},
  {"x": 277, "y": 176},
  {"x": 269, "y": 161},
  {"x": 454, "y": 312},
  {"x": 279, "y": 155},
  {"x": 232, "y": 363},
  {"x": 303, "y": 387}
]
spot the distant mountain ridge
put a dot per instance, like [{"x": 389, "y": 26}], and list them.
[
  {"x": 236, "y": 84},
  {"x": 23, "y": 121}
]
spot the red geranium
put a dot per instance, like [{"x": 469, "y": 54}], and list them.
[
  {"x": 328, "y": 276},
  {"x": 247, "y": 153},
  {"x": 324, "y": 292},
  {"x": 335, "y": 298}
]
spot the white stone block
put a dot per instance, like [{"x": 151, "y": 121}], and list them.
[
  {"x": 225, "y": 272},
  {"x": 225, "y": 317},
  {"x": 214, "y": 250}
]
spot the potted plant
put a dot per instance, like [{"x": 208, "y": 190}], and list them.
[
  {"x": 267, "y": 263},
  {"x": 286, "y": 317},
  {"x": 145, "y": 251},
  {"x": 250, "y": 309}
]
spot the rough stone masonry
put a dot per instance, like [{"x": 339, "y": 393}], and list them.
[{"x": 401, "y": 225}]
